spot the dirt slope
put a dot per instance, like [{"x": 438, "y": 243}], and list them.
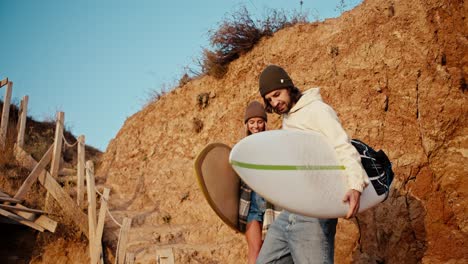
[{"x": 395, "y": 71}]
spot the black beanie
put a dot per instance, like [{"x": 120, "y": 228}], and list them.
[
  {"x": 273, "y": 78},
  {"x": 255, "y": 109}
]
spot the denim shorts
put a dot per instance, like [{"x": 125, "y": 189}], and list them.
[{"x": 257, "y": 208}]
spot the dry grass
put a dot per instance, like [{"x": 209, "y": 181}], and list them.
[
  {"x": 239, "y": 33},
  {"x": 184, "y": 79},
  {"x": 212, "y": 64},
  {"x": 153, "y": 95}
]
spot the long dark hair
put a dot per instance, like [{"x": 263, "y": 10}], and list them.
[{"x": 293, "y": 92}]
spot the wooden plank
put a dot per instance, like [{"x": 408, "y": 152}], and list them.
[
  {"x": 10, "y": 200},
  {"x": 130, "y": 258},
  {"x": 80, "y": 170},
  {"x": 25, "y": 209},
  {"x": 26, "y": 215},
  {"x": 46, "y": 223},
  {"x": 4, "y": 220},
  {"x": 24, "y": 159},
  {"x": 3, "y": 82},
  {"x": 90, "y": 184},
  {"x": 69, "y": 206},
  {"x": 42, "y": 220},
  {"x": 5, "y": 114},
  {"x": 40, "y": 167},
  {"x": 21, "y": 220},
  {"x": 55, "y": 165},
  {"x": 100, "y": 227},
  {"x": 64, "y": 200},
  {"x": 22, "y": 121},
  {"x": 67, "y": 172},
  {"x": 123, "y": 237},
  {"x": 67, "y": 179},
  {"x": 165, "y": 256}
]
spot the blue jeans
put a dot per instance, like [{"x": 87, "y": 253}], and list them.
[
  {"x": 257, "y": 208},
  {"x": 299, "y": 239}
]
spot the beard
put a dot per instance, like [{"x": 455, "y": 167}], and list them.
[{"x": 283, "y": 108}]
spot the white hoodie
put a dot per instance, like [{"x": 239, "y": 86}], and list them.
[{"x": 316, "y": 115}]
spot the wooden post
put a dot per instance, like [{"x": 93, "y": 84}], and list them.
[
  {"x": 91, "y": 206},
  {"x": 130, "y": 258},
  {"x": 54, "y": 167},
  {"x": 3, "y": 82},
  {"x": 19, "y": 116},
  {"x": 100, "y": 227},
  {"x": 80, "y": 170},
  {"x": 22, "y": 121},
  {"x": 57, "y": 152},
  {"x": 5, "y": 115},
  {"x": 165, "y": 256},
  {"x": 122, "y": 244}
]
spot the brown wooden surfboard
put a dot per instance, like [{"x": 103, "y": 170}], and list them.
[{"x": 219, "y": 182}]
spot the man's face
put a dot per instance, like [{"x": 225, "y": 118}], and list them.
[{"x": 280, "y": 100}]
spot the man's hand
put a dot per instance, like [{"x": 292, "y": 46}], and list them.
[{"x": 354, "y": 198}]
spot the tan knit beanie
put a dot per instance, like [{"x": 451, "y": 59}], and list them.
[{"x": 255, "y": 109}]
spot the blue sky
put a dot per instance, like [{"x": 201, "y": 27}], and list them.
[{"x": 98, "y": 60}]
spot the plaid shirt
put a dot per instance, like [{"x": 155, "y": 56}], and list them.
[{"x": 244, "y": 205}]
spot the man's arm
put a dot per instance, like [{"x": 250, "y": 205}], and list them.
[
  {"x": 324, "y": 119},
  {"x": 328, "y": 123}
]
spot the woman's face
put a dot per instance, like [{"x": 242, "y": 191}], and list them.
[{"x": 255, "y": 125}]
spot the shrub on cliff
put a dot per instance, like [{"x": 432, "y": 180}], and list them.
[{"x": 239, "y": 33}]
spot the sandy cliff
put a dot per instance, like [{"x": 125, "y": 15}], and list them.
[{"x": 395, "y": 72}]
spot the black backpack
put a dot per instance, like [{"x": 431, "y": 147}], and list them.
[{"x": 377, "y": 166}]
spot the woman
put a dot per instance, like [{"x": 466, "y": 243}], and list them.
[{"x": 255, "y": 214}]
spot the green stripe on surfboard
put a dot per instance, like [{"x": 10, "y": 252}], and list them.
[{"x": 286, "y": 167}]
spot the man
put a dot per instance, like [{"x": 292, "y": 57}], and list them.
[{"x": 306, "y": 239}]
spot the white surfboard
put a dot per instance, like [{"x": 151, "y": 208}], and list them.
[{"x": 297, "y": 170}]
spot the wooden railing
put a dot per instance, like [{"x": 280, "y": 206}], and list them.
[
  {"x": 5, "y": 111},
  {"x": 91, "y": 225}
]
